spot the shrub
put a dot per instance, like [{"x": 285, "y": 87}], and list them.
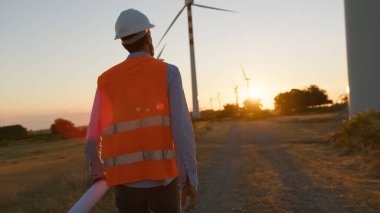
[
  {"x": 13, "y": 132},
  {"x": 66, "y": 129},
  {"x": 362, "y": 130}
]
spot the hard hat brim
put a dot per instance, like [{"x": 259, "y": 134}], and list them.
[
  {"x": 135, "y": 37},
  {"x": 133, "y": 32}
]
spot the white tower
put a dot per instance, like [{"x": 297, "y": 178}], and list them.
[{"x": 363, "y": 53}]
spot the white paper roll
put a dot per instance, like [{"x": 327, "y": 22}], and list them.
[{"x": 90, "y": 198}]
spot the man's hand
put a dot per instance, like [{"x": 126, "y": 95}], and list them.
[
  {"x": 96, "y": 175},
  {"x": 97, "y": 179},
  {"x": 192, "y": 192}
]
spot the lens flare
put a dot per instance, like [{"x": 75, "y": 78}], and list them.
[{"x": 159, "y": 106}]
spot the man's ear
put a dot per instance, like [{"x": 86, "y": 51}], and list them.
[
  {"x": 150, "y": 42},
  {"x": 148, "y": 38}
]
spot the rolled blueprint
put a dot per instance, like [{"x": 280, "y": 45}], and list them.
[{"x": 90, "y": 198}]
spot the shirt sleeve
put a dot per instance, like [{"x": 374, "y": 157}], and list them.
[
  {"x": 95, "y": 164},
  {"x": 182, "y": 130}
]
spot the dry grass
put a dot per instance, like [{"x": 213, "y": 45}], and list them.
[
  {"x": 332, "y": 166},
  {"x": 361, "y": 131},
  {"x": 359, "y": 139},
  {"x": 52, "y": 176},
  {"x": 44, "y": 177},
  {"x": 260, "y": 183},
  {"x": 209, "y": 137}
]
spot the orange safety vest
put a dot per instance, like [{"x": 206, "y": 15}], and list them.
[{"x": 137, "y": 141}]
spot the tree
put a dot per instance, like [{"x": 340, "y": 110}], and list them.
[
  {"x": 13, "y": 132},
  {"x": 316, "y": 96},
  {"x": 208, "y": 114},
  {"x": 295, "y": 100},
  {"x": 229, "y": 110},
  {"x": 252, "y": 105},
  {"x": 65, "y": 128}
]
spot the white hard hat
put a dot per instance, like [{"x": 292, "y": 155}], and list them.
[{"x": 130, "y": 22}]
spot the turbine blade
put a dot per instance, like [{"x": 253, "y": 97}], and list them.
[
  {"x": 162, "y": 50},
  {"x": 171, "y": 24},
  {"x": 242, "y": 68},
  {"x": 214, "y": 8}
]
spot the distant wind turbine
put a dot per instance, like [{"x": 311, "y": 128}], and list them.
[
  {"x": 212, "y": 102},
  {"x": 188, "y": 4},
  {"x": 220, "y": 105},
  {"x": 236, "y": 88},
  {"x": 246, "y": 79}
]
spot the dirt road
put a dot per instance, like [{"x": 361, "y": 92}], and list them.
[{"x": 251, "y": 171}]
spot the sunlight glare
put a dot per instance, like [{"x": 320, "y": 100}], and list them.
[{"x": 256, "y": 93}]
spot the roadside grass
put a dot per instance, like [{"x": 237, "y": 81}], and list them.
[
  {"x": 201, "y": 127},
  {"x": 57, "y": 196},
  {"x": 360, "y": 132},
  {"x": 56, "y": 190},
  {"x": 334, "y": 165},
  {"x": 359, "y": 137},
  {"x": 209, "y": 136},
  {"x": 50, "y": 176}
]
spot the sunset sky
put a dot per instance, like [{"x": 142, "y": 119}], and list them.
[{"x": 52, "y": 51}]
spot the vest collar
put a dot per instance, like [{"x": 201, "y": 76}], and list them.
[{"x": 135, "y": 54}]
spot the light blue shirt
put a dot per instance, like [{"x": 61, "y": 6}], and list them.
[{"x": 182, "y": 132}]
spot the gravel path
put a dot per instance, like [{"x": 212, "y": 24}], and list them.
[
  {"x": 223, "y": 187},
  {"x": 299, "y": 194},
  {"x": 219, "y": 188}
]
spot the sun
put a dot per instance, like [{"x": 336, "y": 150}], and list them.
[
  {"x": 263, "y": 96},
  {"x": 255, "y": 93}
]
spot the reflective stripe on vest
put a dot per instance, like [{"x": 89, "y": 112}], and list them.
[
  {"x": 139, "y": 156},
  {"x": 137, "y": 124}
]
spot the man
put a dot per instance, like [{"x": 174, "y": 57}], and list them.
[{"x": 141, "y": 127}]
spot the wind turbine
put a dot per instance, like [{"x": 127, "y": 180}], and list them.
[
  {"x": 212, "y": 99},
  {"x": 247, "y": 79},
  {"x": 236, "y": 87},
  {"x": 220, "y": 106},
  {"x": 212, "y": 102},
  {"x": 188, "y": 4},
  {"x": 363, "y": 53}
]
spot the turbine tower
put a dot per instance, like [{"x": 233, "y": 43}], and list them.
[
  {"x": 246, "y": 79},
  {"x": 188, "y": 4},
  {"x": 236, "y": 87},
  {"x": 363, "y": 54},
  {"x": 212, "y": 102},
  {"x": 219, "y": 102}
]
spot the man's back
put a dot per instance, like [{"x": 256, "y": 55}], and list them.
[{"x": 139, "y": 120}]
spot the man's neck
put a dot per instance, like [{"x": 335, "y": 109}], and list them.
[{"x": 145, "y": 49}]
